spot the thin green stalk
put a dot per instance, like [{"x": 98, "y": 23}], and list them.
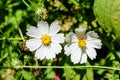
[
  {"x": 25, "y": 3},
  {"x": 74, "y": 2},
  {"x": 13, "y": 5},
  {"x": 15, "y": 39},
  {"x": 20, "y": 32},
  {"x": 11, "y": 38},
  {"x": 61, "y": 67}
]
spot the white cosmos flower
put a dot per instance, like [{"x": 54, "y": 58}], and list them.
[
  {"x": 45, "y": 40},
  {"x": 81, "y": 45}
]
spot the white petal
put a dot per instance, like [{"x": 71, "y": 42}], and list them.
[
  {"x": 84, "y": 58},
  {"x": 80, "y": 33},
  {"x": 71, "y": 37},
  {"x": 33, "y": 32},
  {"x": 76, "y": 55},
  {"x": 33, "y": 44},
  {"x": 59, "y": 38},
  {"x": 92, "y": 34},
  {"x": 70, "y": 48},
  {"x": 94, "y": 42},
  {"x": 91, "y": 53},
  {"x": 43, "y": 27},
  {"x": 39, "y": 53},
  {"x": 54, "y": 28},
  {"x": 49, "y": 53},
  {"x": 56, "y": 47}
]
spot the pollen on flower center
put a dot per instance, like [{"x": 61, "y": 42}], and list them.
[
  {"x": 46, "y": 39},
  {"x": 82, "y": 43}
]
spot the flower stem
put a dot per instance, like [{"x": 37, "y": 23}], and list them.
[
  {"x": 4, "y": 38},
  {"x": 25, "y": 3},
  {"x": 20, "y": 32},
  {"x": 61, "y": 67}
]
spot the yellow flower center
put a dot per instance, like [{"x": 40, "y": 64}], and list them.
[
  {"x": 46, "y": 39},
  {"x": 82, "y": 43}
]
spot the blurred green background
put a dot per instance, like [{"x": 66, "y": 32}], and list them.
[{"x": 18, "y": 15}]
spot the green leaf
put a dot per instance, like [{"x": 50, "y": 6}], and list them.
[
  {"x": 89, "y": 73},
  {"x": 111, "y": 56},
  {"x": 107, "y": 12},
  {"x": 70, "y": 74},
  {"x": 118, "y": 54},
  {"x": 50, "y": 73},
  {"x": 27, "y": 75}
]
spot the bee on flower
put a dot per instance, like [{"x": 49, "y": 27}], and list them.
[
  {"x": 82, "y": 44},
  {"x": 45, "y": 40}
]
